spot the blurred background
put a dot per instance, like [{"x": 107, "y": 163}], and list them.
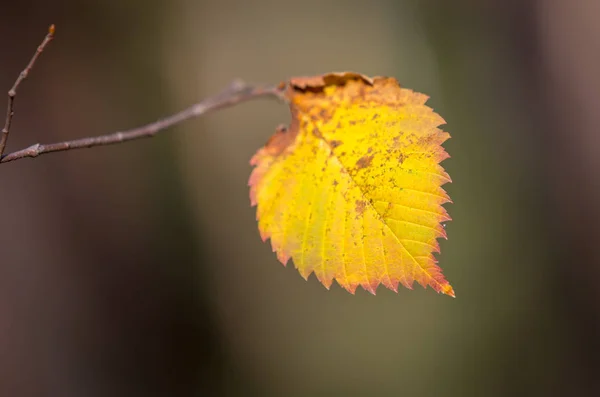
[{"x": 137, "y": 269}]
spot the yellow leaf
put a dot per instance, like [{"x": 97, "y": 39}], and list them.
[{"x": 352, "y": 190}]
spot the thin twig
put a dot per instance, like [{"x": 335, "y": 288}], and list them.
[
  {"x": 236, "y": 93},
  {"x": 12, "y": 93}
]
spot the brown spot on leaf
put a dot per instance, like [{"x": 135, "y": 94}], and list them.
[
  {"x": 426, "y": 140},
  {"x": 279, "y": 141},
  {"x": 387, "y": 210},
  {"x": 335, "y": 143},
  {"x": 317, "y": 133},
  {"x": 401, "y": 158},
  {"x": 360, "y": 206},
  {"x": 338, "y": 78},
  {"x": 364, "y": 161}
]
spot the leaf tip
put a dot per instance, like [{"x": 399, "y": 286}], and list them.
[
  {"x": 326, "y": 281},
  {"x": 350, "y": 287},
  {"x": 448, "y": 290},
  {"x": 304, "y": 274},
  {"x": 372, "y": 288},
  {"x": 282, "y": 257},
  {"x": 264, "y": 235}
]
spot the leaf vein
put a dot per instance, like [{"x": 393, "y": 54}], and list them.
[
  {"x": 412, "y": 223},
  {"x": 409, "y": 207}
]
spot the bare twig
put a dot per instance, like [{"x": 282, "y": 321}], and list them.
[
  {"x": 13, "y": 91},
  {"x": 236, "y": 93}
]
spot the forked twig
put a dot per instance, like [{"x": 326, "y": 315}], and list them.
[
  {"x": 237, "y": 92},
  {"x": 12, "y": 93}
]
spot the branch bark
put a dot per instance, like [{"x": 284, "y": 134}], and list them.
[
  {"x": 237, "y": 92},
  {"x": 12, "y": 93}
]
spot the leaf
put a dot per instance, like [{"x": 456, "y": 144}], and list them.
[{"x": 352, "y": 190}]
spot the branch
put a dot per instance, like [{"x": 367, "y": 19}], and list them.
[
  {"x": 237, "y": 92},
  {"x": 12, "y": 93}
]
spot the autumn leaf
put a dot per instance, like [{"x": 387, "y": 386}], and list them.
[{"x": 352, "y": 190}]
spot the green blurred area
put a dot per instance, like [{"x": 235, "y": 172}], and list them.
[{"x": 138, "y": 269}]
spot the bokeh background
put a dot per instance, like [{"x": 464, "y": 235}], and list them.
[{"x": 137, "y": 269}]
